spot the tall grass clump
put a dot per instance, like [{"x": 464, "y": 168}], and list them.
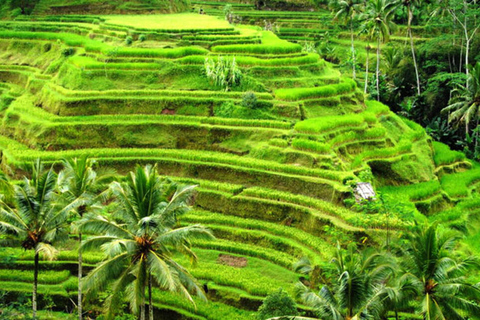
[{"x": 223, "y": 72}]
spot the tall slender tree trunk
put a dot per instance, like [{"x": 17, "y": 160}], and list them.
[
  {"x": 378, "y": 68},
  {"x": 467, "y": 39},
  {"x": 353, "y": 50},
  {"x": 410, "y": 17},
  {"x": 366, "y": 68},
  {"x": 460, "y": 61},
  {"x": 467, "y": 50},
  {"x": 80, "y": 271},
  {"x": 150, "y": 300},
  {"x": 35, "y": 286},
  {"x": 142, "y": 309}
]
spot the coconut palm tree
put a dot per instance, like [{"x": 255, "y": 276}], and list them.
[
  {"x": 437, "y": 277},
  {"x": 36, "y": 220},
  {"x": 464, "y": 106},
  {"x": 347, "y": 9},
  {"x": 358, "y": 289},
  {"x": 377, "y": 22},
  {"x": 77, "y": 183},
  {"x": 139, "y": 239}
]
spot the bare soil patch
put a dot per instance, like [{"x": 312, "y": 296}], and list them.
[
  {"x": 228, "y": 260},
  {"x": 168, "y": 111}
]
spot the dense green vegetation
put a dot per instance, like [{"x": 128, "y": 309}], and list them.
[{"x": 274, "y": 116}]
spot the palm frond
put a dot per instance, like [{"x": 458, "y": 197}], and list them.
[
  {"x": 180, "y": 236},
  {"x": 10, "y": 222},
  {"x": 188, "y": 284},
  {"x": 115, "y": 299},
  {"x": 96, "y": 242},
  {"x": 178, "y": 204},
  {"x": 137, "y": 295},
  {"x": 46, "y": 250},
  {"x": 303, "y": 266},
  {"x": 110, "y": 269},
  {"x": 98, "y": 224},
  {"x": 163, "y": 275}
]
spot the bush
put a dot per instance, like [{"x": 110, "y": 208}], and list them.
[
  {"x": 249, "y": 100},
  {"x": 128, "y": 40},
  {"x": 277, "y": 304},
  {"x": 142, "y": 37}
]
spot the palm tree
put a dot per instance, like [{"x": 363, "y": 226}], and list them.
[
  {"x": 77, "y": 182},
  {"x": 139, "y": 239},
  {"x": 36, "y": 220},
  {"x": 409, "y": 5},
  {"x": 358, "y": 290},
  {"x": 465, "y": 105},
  {"x": 377, "y": 22},
  {"x": 348, "y": 9},
  {"x": 437, "y": 277}
]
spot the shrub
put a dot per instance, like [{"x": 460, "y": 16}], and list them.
[
  {"x": 128, "y": 40},
  {"x": 249, "y": 100},
  {"x": 277, "y": 304},
  {"x": 223, "y": 72},
  {"x": 68, "y": 52},
  {"x": 142, "y": 37}
]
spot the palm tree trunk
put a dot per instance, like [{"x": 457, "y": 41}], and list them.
[
  {"x": 142, "y": 309},
  {"x": 366, "y": 69},
  {"x": 35, "y": 284},
  {"x": 353, "y": 49},
  {"x": 378, "y": 68},
  {"x": 80, "y": 271},
  {"x": 410, "y": 17},
  {"x": 150, "y": 302}
]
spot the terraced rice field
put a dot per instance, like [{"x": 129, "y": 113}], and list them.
[{"x": 272, "y": 181}]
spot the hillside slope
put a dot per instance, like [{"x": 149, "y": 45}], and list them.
[{"x": 275, "y": 154}]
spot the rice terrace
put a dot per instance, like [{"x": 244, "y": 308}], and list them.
[{"x": 247, "y": 159}]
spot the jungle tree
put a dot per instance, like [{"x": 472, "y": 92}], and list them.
[{"x": 465, "y": 13}]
